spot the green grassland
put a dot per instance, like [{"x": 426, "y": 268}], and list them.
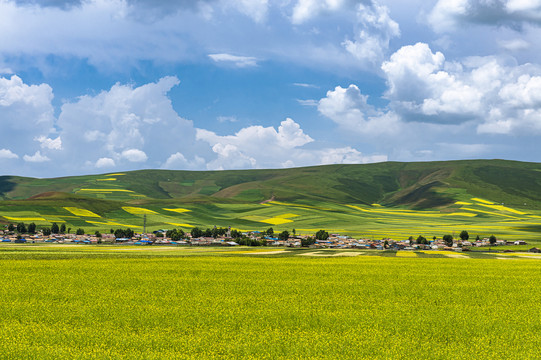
[
  {"x": 375, "y": 200},
  {"x": 103, "y": 302}
]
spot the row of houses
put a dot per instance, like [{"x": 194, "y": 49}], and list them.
[{"x": 334, "y": 241}]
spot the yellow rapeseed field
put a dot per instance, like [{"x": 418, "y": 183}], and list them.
[
  {"x": 81, "y": 212},
  {"x": 138, "y": 210}
]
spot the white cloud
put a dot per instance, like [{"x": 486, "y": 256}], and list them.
[
  {"x": 308, "y": 102},
  {"x": 116, "y": 35},
  {"x": 36, "y": 158},
  {"x": 376, "y": 31},
  {"x": 126, "y": 123},
  {"x": 266, "y": 147},
  {"x": 349, "y": 108},
  {"x": 179, "y": 161},
  {"x": 134, "y": 155},
  {"x": 349, "y": 155},
  {"x": 105, "y": 162},
  {"x": 500, "y": 97},
  {"x": 306, "y": 10},
  {"x": 514, "y": 44},
  {"x": 8, "y": 154},
  {"x": 255, "y": 9},
  {"x": 304, "y": 85},
  {"x": 26, "y": 113},
  {"x": 225, "y": 119},
  {"x": 48, "y": 143},
  {"x": 449, "y": 14},
  {"x": 238, "y": 61}
]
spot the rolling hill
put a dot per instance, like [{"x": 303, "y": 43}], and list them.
[{"x": 319, "y": 196}]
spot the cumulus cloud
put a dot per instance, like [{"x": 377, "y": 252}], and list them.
[
  {"x": 48, "y": 143},
  {"x": 105, "y": 162},
  {"x": 36, "y": 158},
  {"x": 238, "y": 61},
  {"x": 26, "y": 113},
  {"x": 179, "y": 161},
  {"x": 8, "y": 154},
  {"x": 373, "y": 25},
  {"x": 127, "y": 124},
  {"x": 376, "y": 29},
  {"x": 501, "y": 97},
  {"x": 448, "y": 14},
  {"x": 348, "y": 108},
  {"x": 134, "y": 155},
  {"x": 266, "y": 147},
  {"x": 305, "y": 10}
]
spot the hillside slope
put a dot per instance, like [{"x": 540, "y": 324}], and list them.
[{"x": 427, "y": 185}]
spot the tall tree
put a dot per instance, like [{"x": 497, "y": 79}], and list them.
[
  {"x": 448, "y": 239},
  {"x": 284, "y": 235},
  {"x": 55, "y": 229},
  {"x": 464, "y": 235},
  {"x": 21, "y": 228},
  {"x": 32, "y": 228},
  {"x": 63, "y": 228},
  {"x": 322, "y": 235}
]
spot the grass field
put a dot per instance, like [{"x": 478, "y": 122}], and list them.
[{"x": 102, "y": 302}]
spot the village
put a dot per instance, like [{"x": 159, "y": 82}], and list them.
[{"x": 257, "y": 238}]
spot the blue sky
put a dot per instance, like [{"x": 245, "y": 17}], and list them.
[{"x": 95, "y": 86}]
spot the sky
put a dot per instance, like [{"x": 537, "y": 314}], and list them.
[{"x": 101, "y": 86}]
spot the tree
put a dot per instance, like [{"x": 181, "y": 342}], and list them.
[
  {"x": 112, "y": 231},
  {"x": 32, "y": 228},
  {"x": 54, "y": 228},
  {"x": 69, "y": 230},
  {"x": 294, "y": 232},
  {"x": 21, "y": 228},
  {"x": 434, "y": 238},
  {"x": 98, "y": 234},
  {"x": 308, "y": 241},
  {"x": 421, "y": 240},
  {"x": 11, "y": 228},
  {"x": 80, "y": 231},
  {"x": 196, "y": 232},
  {"x": 492, "y": 239},
  {"x": 448, "y": 239},
  {"x": 270, "y": 231},
  {"x": 464, "y": 235},
  {"x": 63, "y": 228},
  {"x": 235, "y": 234},
  {"x": 322, "y": 235},
  {"x": 284, "y": 235},
  {"x": 477, "y": 238},
  {"x": 175, "y": 234},
  {"x": 46, "y": 231}
]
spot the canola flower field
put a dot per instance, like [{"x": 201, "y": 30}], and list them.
[{"x": 106, "y": 302}]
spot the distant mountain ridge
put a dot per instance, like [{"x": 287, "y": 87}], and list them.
[{"x": 415, "y": 185}]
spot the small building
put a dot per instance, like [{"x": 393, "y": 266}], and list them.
[{"x": 535, "y": 250}]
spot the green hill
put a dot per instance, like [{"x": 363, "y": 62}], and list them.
[{"x": 318, "y": 196}]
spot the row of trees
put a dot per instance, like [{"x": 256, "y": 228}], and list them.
[{"x": 21, "y": 228}]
